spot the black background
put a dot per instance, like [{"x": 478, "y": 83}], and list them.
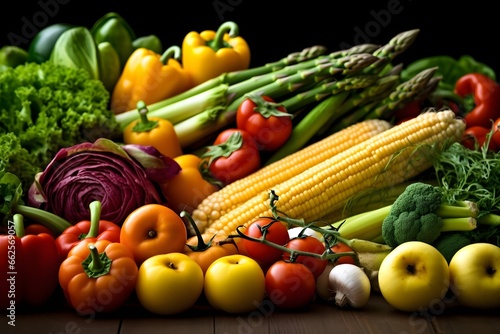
[{"x": 275, "y": 28}]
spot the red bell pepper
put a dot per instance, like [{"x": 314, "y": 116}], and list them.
[
  {"x": 93, "y": 230},
  {"x": 36, "y": 228},
  {"x": 486, "y": 94},
  {"x": 29, "y": 266}
]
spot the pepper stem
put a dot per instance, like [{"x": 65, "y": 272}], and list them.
[
  {"x": 172, "y": 52},
  {"x": 144, "y": 124},
  {"x": 96, "y": 265},
  {"x": 218, "y": 41},
  {"x": 18, "y": 225},
  {"x": 95, "y": 217}
]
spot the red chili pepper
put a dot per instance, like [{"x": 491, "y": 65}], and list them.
[
  {"x": 29, "y": 266},
  {"x": 94, "y": 229},
  {"x": 486, "y": 93}
]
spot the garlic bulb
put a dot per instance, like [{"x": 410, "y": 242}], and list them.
[{"x": 350, "y": 284}]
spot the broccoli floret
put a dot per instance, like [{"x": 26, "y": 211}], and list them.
[
  {"x": 448, "y": 243},
  {"x": 419, "y": 214}
]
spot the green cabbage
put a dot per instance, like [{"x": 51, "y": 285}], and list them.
[{"x": 46, "y": 107}]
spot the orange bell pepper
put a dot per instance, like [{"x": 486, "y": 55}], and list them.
[
  {"x": 155, "y": 131},
  {"x": 98, "y": 276},
  {"x": 188, "y": 188},
  {"x": 208, "y": 54},
  {"x": 150, "y": 77}
]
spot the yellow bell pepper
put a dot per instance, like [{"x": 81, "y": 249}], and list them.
[
  {"x": 208, "y": 54},
  {"x": 150, "y": 77},
  {"x": 155, "y": 131}
]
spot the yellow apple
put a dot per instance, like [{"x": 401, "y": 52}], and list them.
[
  {"x": 475, "y": 275},
  {"x": 413, "y": 276},
  {"x": 235, "y": 284},
  {"x": 169, "y": 283}
]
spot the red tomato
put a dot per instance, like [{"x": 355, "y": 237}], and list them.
[
  {"x": 340, "y": 247},
  {"x": 309, "y": 244},
  {"x": 496, "y": 134},
  {"x": 477, "y": 134},
  {"x": 290, "y": 284},
  {"x": 268, "y": 122},
  {"x": 233, "y": 156},
  {"x": 275, "y": 232}
]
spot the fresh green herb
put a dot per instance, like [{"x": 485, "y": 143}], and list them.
[{"x": 474, "y": 175}]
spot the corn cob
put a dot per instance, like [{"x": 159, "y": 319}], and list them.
[
  {"x": 236, "y": 193},
  {"x": 386, "y": 159}
]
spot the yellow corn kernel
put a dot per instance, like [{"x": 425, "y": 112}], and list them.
[
  {"x": 224, "y": 200},
  {"x": 386, "y": 159}
]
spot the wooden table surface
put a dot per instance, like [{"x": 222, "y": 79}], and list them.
[{"x": 319, "y": 317}]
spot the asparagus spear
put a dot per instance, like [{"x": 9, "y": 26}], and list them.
[
  {"x": 396, "y": 45},
  {"x": 402, "y": 94},
  {"x": 374, "y": 93},
  {"x": 341, "y": 66}
]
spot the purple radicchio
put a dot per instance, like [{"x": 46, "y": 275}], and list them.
[{"x": 122, "y": 178}]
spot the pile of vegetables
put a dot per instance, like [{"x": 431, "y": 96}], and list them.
[{"x": 125, "y": 156}]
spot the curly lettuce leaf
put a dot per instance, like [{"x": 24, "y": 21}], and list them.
[{"x": 49, "y": 107}]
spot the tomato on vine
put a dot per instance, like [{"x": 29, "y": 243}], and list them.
[
  {"x": 340, "y": 247},
  {"x": 310, "y": 244},
  {"x": 269, "y": 229},
  {"x": 290, "y": 285},
  {"x": 268, "y": 122}
]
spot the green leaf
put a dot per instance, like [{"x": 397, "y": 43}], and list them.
[
  {"x": 10, "y": 194},
  {"x": 76, "y": 48},
  {"x": 449, "y": 68}
]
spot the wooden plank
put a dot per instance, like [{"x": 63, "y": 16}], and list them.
[
  {"x": 454, "y": 318},
  {"x": 376, "y": 317},
  {"x": 198, "y": 319},
  {"x": 57, "y": 317},
  {"x": 58, "y": 321}
]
